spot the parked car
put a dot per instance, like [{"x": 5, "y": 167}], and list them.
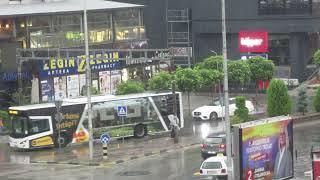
[
  {"x": 215, "y": 110},
  {"x": 213, "y": 145},
  {"x": 215, "y": 166}
]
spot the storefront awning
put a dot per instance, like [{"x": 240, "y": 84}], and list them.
[{"x": 59, "y": 7}]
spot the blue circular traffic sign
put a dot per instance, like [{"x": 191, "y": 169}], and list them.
[{"x": 105, "y": 138}]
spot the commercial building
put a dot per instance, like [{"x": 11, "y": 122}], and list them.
[
  {"x": 292, "y": 27},
  {"x": 49, "y": 24}
]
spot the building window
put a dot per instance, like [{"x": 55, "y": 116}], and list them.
[
  {"x": 128, "y": 25},
  {"x": 279, "y": 49},
  {"x": 281, "y": 7},
  {"x": 100, "y": 28}
]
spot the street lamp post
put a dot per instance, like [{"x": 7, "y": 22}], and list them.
[
  {"x": 225, "y": 87},
  {"x": 88, "y": 79}
]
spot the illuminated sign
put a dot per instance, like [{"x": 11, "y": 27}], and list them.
[
  {"x": 253, "y": 41},
  {"x": 67, "y": 66}
]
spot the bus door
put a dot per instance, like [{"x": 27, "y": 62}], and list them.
[{"x": 40, "y": 131}]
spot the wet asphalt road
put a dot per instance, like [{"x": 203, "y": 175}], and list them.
[{"x": 178, "y": 165}]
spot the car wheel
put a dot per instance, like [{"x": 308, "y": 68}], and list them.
[
  {"x": 140, "y": 131},
  {"x": 213, "y": 116}
]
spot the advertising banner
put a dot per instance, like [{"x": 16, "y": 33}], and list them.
[
  {"x": 60, "y": 90},
  {"x": 77, "y": 65},
  {"x": 115, "y": 80},
  {"x": 73, "y": 86},
  {"x": 104, "y": 82},
  {"x": 256, "y": 42},
  {"x": 266, "y": 151},
  {"x": 46, "y": 90},
  {"x": 316, "y": 165}
]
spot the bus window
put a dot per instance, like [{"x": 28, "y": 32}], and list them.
[{"x": 39, "y": 126}]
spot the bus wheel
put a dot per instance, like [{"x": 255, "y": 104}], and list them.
[{"x": 140, "y": 131}]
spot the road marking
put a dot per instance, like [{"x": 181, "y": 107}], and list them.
[{"x": 197, "y": 173}]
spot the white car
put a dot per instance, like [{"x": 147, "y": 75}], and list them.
[
  {"x": 215, "y": 166},
  {"x": 216, "y": 110}
]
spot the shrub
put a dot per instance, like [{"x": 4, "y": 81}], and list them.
[
  {"x": 316, "y": 101},
  {"x": 316, "y": 57},
  {"x": 278, "y": 99},
  {"x": 242, "y": 111},
  {"x": 302, "y": 100},
  {"x": 129, "y": 87}
]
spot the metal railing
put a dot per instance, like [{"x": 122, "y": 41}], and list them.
[{"x": 178, "y": 15}]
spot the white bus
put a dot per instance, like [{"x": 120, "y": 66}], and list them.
[{"x": 35, "y": 126}]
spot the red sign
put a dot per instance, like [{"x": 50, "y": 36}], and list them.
[
  {"x": 253, "y": 42},
  {"x": 316, "y": 166}
]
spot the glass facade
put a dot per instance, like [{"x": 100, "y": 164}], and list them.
[
  {"x": 274, "y": 7},
  {"x": 67, "y": 30}
]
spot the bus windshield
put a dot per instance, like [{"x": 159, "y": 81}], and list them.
[{"x": 19, "y": 127}]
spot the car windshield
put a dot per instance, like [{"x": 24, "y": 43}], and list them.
[
  {"x": 215, "y": 103},
  {"x": 211, "y": 165},
  {"x": 213, "y": 140}
]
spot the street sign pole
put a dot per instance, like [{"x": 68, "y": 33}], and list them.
[
  {"x": 88, "y": 80},
  {"x": 58, "y": 118},
  {"x": 225, "y": 86},
  {"x": 122, "y": 113},
  {"x": 105, "y": 138}
]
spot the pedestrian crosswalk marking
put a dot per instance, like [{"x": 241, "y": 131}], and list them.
[{"x": 197, "y": 173}]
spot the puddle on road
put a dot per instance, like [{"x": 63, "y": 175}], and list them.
[{"x": 134, "y": 173}]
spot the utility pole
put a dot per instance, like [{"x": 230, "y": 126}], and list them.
[
  {"x": 226, "y": 91},
  {"x": 88, "y": 79}
]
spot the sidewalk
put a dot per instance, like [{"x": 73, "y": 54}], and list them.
[{"x": 118, "y": 152}]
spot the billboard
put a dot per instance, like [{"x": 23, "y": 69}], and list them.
[
  {"x": 115, "y": 80},
  {"x": 266, "y": 150},
  {"x": 73, "y": 86},
  {"x": 250, "y": 41},
  {"x": 46, "y": 90},
  {"x": 104, "y": 82},
  {"x": 60, "y": 88},
  {"x": 77, "y": 65}
]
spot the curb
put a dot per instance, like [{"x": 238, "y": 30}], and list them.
[{"x": 117, "y": 162}]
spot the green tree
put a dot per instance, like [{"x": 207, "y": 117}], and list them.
[
  {"x": 129, "y": 87},
  {"x": 278, "y": 99},
  {"x": 212, "y": 62},
  {"x": 187, "y": 80},
  {"x": 261, "y": 68},
  {"x": 316, "y": 101},
  {"x": 239, "y": 72},
  {"x": 210, "y": 77},
  {"x": 161, "y": 81},
  {"x": 302, "y": 100},
  {"x": 316, "y": 57},
  {"x": 242, "y": 111},
  {"x": 4, "y": 116}
]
